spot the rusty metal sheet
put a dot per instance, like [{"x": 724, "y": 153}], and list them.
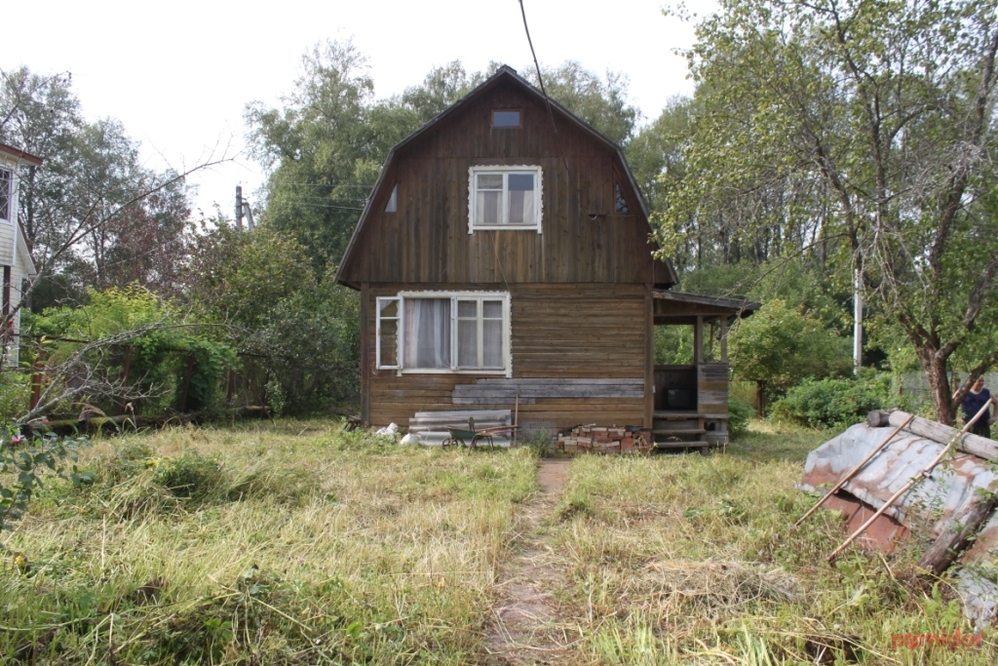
[
  {"x": 932, "y": 501},
  {"x": 925, "y": 509}
]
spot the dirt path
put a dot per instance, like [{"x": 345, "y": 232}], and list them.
[{"x": 525, "y": 627}]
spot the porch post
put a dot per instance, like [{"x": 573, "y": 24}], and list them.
[
  {"x": 724, "y": 339},
  {"x": 698, "y": 341}
]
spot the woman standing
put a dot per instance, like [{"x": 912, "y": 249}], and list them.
[{"x": 976, "y": 398}]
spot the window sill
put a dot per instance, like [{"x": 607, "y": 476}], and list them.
[{"x": 505, "y": 227}]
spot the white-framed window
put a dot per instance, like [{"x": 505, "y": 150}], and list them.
[
  {"x": 435, "y": 332},
  {"x": 501, "y": 197},
  {"x": 6, "y": 195}
]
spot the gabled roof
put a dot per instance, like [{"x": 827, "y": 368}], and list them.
[
  {"x": 19, "y": 154},
  {"x": 503, "y": 74}
]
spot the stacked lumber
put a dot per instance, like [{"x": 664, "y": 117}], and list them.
[
  {"x": 431, "y": 427},
  {"x": 595, "y": 439}
]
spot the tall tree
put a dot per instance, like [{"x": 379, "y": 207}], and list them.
[
  {"x": 323, "y": 154},
  {"x": 600, "y": 102},
  {"x": 94, "y": 215},
  {"x": 872, "y": 123}
]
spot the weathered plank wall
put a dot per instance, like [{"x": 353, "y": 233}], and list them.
[
  {"x": 427, "y": 239},
  {"x": 712, "y": 388},
  {"x": 581, "y": 342}
]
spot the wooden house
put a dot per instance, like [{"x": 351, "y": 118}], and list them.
[
  {"x": 504, "y": 261},
  {"x": 15, "y": 255}
]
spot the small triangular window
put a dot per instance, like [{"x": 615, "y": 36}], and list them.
[
  {"x": 618, "y": 195},
  {"x": 393, "y": 201}
]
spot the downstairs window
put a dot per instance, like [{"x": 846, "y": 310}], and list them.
[{"x": 444, "y": 332}]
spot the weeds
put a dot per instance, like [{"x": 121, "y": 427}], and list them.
[{"x": 294, "y": 543}]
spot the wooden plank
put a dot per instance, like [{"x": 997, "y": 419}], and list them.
[
  {"x": 968, "y": 443},
  {"x": 959, "y": 534},
  {"x": 713, "y": 372}
]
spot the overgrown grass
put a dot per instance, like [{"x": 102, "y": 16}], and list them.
[
  {"x": 693, "y": 559},
  {"x": 297, "y": 543},
  {"x": 292, "y": 543}
]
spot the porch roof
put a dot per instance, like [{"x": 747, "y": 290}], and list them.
[{"x": 676, "y": 307}]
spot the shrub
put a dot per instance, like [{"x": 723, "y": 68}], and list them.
[
  {"x": 828, "y": 403},
  {"x": 739, "y": 413},
  {"x": 24, "y": 461}
]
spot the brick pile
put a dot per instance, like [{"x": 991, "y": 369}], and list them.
[{"x": 583, "y": 439}]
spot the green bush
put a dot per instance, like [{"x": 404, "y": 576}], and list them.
[
  {"x": 828, "y": 403},
  {"x": 739, "y": 413},
  {"x": 15, "y": 391}
]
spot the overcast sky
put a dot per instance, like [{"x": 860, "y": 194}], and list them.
[{"x": 179, "y": 74}]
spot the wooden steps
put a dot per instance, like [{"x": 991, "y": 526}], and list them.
[{"x": 688, "y": 429}]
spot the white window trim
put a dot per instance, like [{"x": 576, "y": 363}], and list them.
[
  {"x": 454, "y": 296},
  {"x": 11, "y": 194},
  {"x": 398, "y": 332},
  {"x": 505, "y": 170}
]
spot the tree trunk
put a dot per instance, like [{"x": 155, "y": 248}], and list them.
[{"x": 935, "y": 368}]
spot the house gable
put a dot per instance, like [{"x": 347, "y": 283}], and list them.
[{"x": 420, "y": 224}]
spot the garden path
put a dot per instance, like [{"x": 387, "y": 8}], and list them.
[{"x": 526, "y": 626}]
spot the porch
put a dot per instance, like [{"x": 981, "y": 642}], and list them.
[{"x": 690, "y": 404}]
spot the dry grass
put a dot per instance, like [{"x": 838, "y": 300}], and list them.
[
  {"x": 692, "y": 559},
  {"x": 296, "y": 543},
  {"x": 305, "y": 546}
]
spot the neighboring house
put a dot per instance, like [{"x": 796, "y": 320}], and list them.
[
  {"x": 504, "y": 261},
  {"x": 15, "y": 255}
]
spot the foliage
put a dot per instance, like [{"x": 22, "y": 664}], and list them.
[
  {"x": 313, "y": 339},
  {"x": 271, "y": 305},
  {"x": 130, "y": 328},
  {"x": 600, "y": 102},
  {"x": 833, "y": 403},
  {"x": 94, "y": 215},
  {"x": 24, "y": 462},
  {"x": 740, "y": 412},
  {"x": 324, "y": 152},
  {"x": 655, "y": 156},
  {"x": 779, "y": 346},
  {"x": 674, "y": 345},
  {"x": 15, "y": 389},
  {"x": 861, "y": 135}
]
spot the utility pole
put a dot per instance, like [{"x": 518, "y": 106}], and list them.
[
  {"x": 239, "y": 207},
  {"x": 857, "y": 330},
  {"x": 243, "y": 209}
]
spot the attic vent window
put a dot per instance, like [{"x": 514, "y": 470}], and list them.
[
  {"x": 504, "y": 198},
  {"x": 622, "y": 206},
  {"x": 506, "y": 118}
]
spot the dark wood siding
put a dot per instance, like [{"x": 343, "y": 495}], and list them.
[
  {"x": 583, "y": 238},
  {"x": 581, "y": 335}
]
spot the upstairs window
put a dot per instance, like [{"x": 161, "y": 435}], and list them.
[
  {"x": 6, "y": 195},
  {"x": 444, "y": 332},
  {"x": 505, "y": 198}
]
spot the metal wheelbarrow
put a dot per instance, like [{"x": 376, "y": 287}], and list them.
[{"x": 471, "y": 436}]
